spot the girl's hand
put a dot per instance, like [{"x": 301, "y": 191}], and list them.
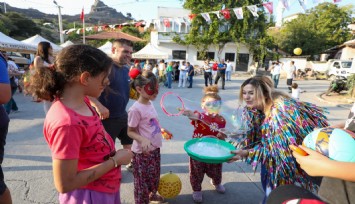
[
  {"x": 190, "y": 114},
  {"x": 146, "y": 145},
  {"x": 103, "y": 112},
  {"x": 123, "y": 156},
  {"x": 313, "y": 163},
  {"x": 239, "y": 154}
]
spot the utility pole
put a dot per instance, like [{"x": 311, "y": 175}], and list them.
[
  {"x": 4, "y": 7},
  {"x": 60, "y": 23}
]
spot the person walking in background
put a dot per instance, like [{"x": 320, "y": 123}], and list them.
[
  {"x": 13, "y": 73},
  {"x": 144, "y": 129},
  {"x": 176, "y": 71},
  {"x": 169, "y": 73},
  {"x": 221, "y": 73},
  {"x": 290, "y": 74},
  {"x": 155, "y": 71},
  {"x": 190, "y": 74},
  {"x": 183, "y": 74},
  {"x": 44, "y": 59},
  {"x": 5, "y": 96},
  {"x": 211, "y": 104},
  {"x": 161, "y": 68},
  {"x": 207, "y": 69},
  {"x": 86, "y": 166},
  {"x": 296, "y": 91},
  {"x": 229, "y": 70},
  {"x": 111, "y": 105},
  {"x": 276, "y": 70},
  {"x": 214, "y": 69}
]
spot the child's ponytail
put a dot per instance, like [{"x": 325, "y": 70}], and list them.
[{"x": 46, "y": 83}]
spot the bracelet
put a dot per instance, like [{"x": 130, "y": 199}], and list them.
[{"x": 114, "y": 162}]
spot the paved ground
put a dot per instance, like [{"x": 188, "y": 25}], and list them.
[{"x": 27, "y": 163}]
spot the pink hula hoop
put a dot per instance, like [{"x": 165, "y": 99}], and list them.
[{"x": 163, "y": 108}]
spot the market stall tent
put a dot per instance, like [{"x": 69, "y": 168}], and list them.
[
  {"x": 34, "y": 40},
  {"x": 67, "y": 43},
  {"x": 150, "y": 52},
  {"x": 11, "y": 45},
  {"x": 106, "y": 48}
]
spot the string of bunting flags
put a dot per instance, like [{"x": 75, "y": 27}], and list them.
[{"x": 226, "y": 13}]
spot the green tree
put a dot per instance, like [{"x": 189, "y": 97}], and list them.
[
  {"x": 6, "y": 25},
  {"x": 320, "y": 28},
  {"x": 23, "y": 27},
  {"x": 250, "y": 30}
]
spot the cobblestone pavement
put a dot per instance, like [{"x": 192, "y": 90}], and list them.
[{"x": 27, "y": 163}]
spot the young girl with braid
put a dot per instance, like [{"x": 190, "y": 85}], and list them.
[
  {"x": 86, "y": 166},
  {"x": 206, "y": 123}
]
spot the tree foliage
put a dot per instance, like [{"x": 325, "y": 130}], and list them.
[
  {"x": 249, "y": 30},
  {"x": 321, "y": 28},
  {"x": 23, "y": 27}
]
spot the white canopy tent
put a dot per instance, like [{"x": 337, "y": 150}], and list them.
[
  {"x": 67, "y": 43},
  {"x": 106, "y": 48},
  {"x": 150, "y": 52},
  {"x": 12, "y": 45},
  {"x": 34, "y": 40}
]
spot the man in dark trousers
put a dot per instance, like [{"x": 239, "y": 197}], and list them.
[
  {"x": 221, "y": 73},
  {"x": 190, "y": 74},
  {"x": 111, "y": 105}
]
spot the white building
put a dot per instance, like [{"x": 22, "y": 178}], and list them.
[{"x": 162, "y": 39}]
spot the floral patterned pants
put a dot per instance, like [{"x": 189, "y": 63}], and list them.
[
  {"x": 198, "y": 171},
  {"x": 146, "y": 172}
]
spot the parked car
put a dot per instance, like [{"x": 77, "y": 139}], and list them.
[{"x": 334, "y": 68}]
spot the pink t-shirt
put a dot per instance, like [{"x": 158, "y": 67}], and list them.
[
  {"x": 73, "y": 136},
  {"x": 145, "y": 119}
]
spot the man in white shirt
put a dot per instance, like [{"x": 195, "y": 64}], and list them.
[
  {"x": 290, "y": 73},
  {"x": 183, "y": 74},
  {"x": 229, "y": 70}
]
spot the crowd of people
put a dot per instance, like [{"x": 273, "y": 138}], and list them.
[{"x": 86, "y": 93}]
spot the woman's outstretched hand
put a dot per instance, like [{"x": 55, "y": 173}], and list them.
[{"x": 239, "y": 154}]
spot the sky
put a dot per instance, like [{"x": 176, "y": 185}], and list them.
[{"x": 140, "y": 9}]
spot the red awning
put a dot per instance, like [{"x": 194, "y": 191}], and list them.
[{"x": 113, "y": 35}]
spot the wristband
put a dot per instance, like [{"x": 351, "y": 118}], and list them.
[{"x": 114, "y": 162}]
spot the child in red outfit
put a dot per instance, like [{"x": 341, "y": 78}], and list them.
[{"x": 205, "y": 124}]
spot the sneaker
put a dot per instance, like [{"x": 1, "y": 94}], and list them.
[
  {"x": 219, "y": 188},
  {"x": 129, "y": 167},
  {"x": 154, "y": 198},
  {"x": 197, "y": 196}
]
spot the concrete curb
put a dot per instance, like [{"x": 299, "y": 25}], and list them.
[{"x": 342, "y": 105}]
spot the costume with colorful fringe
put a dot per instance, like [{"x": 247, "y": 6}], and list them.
[{"x": 288, "y": 122}]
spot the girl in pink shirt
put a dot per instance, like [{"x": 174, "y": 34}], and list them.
[
  {"x": 144, "y": 128},
  {"x": 86, "y": 166}
]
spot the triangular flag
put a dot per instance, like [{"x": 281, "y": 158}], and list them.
[
  {"x": 336, "y": 1},
  {"x": 226, "y": 14},
  {"x": 303, "y": 5},
  {"x": 238, "y": 12},
  {"x": 192, "y": 16},
  {"x": 269, "y": 7},
  {"x": 254, "y": 10},
  {"x": 285, "y": 4},
  {"x": 217, "y": 14},
  {"x": 166, "y": 22},
  {"x": 207, "y": 17},
  {"x": 82, "y": 16}
]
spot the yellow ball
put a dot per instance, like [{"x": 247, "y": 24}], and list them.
[
  {"x": 297, "y": 51},
  {"x": 169, "y": 185}
]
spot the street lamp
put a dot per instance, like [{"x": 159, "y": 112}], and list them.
[{"x": 60, "y": 23}]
